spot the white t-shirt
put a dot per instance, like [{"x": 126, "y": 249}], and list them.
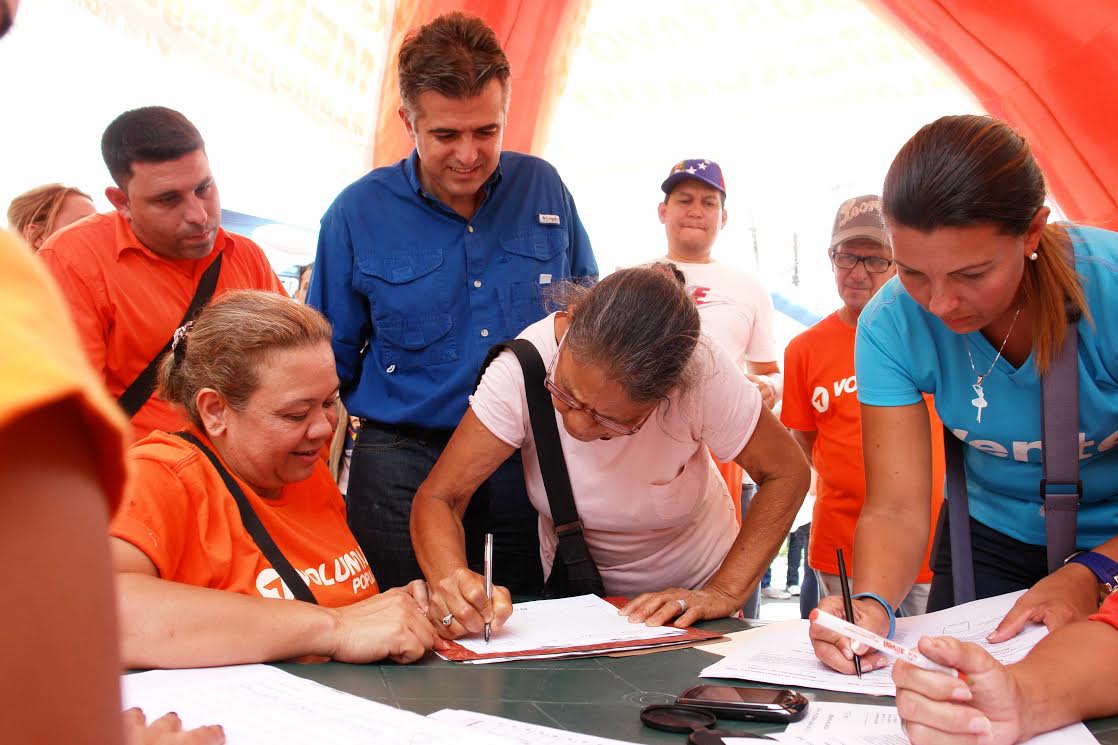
[
  {"x": 655, "y": 512},
  {"x": 735, "y": 308}
]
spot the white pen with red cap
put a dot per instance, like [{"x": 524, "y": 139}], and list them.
[{"x": 876, "y": 641}]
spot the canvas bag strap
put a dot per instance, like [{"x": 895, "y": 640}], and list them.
[
  {"x": 254, "y": 527},
  {"x": 549, "y": 450},
  {"x": 1060, "y": 487},
  {"x": 958, "y": 519},
  {"x": 139, "y": 390}
]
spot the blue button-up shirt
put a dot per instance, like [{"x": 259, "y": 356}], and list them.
[{"x": 417, "y": 294}]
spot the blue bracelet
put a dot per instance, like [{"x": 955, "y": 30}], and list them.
[{"x": 885, "y": 605}]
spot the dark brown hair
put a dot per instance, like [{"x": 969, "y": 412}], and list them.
[
  {"x": 639, "y": 325},
  {"x": 970, "y": 170},
  {"x": 455, "y": 55},
  {"x": 152, "y": 134},
  {"x": 226, "y": 344}
]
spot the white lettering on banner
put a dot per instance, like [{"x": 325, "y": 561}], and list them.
[
  {"x": 327, "y": 56},
  {"x": 1020, "y": 449}
]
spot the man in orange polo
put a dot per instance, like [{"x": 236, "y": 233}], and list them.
[
  {"x": 821, "y": 399},
  {"x": 130, "y": 275}
]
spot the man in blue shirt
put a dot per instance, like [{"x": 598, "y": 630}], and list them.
[{"x": 421, "y": 267}]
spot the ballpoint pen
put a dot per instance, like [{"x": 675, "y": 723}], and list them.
[
  {"x": 488, "y": 575},
  {"x": 847, "y": 604}
]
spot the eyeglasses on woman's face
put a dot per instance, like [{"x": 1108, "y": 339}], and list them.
[
  {"x": 873, "y": 264},
  {"x": 571, "y": 403}
]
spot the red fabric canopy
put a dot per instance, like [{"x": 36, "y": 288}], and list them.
[
  {"x": 537, "y": 37},
  {"x": 1050, "y": 69}
]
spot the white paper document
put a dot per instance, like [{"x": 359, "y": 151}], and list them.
[
  {"x": 782, "y": 653},
  {"x": 566, "y": 622},
  {"x": 520, "y": 732},
  {"x": 262, "y": 705},
  {"x": 830, "y": 723}
]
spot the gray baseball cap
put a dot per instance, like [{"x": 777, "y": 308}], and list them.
[{"x": 860, "y": 217}]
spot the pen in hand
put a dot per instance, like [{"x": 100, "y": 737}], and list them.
[
  {"x": 488, "y": 576},
  {"x": 847, "y": 604}
]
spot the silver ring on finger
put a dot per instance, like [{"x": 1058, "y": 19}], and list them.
[
  {"x": 447, "y": 619},
  {"x": 682, "y": 605}
]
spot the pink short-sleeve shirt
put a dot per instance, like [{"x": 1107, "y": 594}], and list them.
[{"x": 655, "y": 512}]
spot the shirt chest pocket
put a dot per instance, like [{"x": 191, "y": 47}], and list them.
[
  {"x": 532, "y": 259},
  {"x": 673, "y": 501},
  {"x": 412, "y": 324}
]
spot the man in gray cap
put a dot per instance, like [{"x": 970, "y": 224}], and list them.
[{"x": 820, "y": 394}]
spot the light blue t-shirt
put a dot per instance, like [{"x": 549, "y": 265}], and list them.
[{"x": 903, "y": 350}]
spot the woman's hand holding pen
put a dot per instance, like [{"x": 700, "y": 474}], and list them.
[
  {"x": 458, "y": 605},
  {"x": 986, "y": 706},
  {"x": 834, "y": 650},
  {"x": 1069, "y": 594}
]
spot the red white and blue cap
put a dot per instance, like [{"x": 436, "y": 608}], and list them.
[{"x": 699, "y": 169}]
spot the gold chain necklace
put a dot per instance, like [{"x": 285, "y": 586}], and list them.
[{"x": 980, "y": 402}]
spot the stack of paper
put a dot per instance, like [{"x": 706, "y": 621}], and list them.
[
  {"x": 261, "y": 705},
  {"x": 782, "y": 653},
  {"x": 583, "y": 626},
  {"x": 829, "y": 723}
]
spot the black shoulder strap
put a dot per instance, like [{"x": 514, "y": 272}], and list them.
[
  {"x": 140, "y": 390},
  {"x": 549, "y": 450},
  {"x": 256, "y": 528}
]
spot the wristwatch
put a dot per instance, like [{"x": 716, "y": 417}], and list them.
[{"x": 1103, "y": 567}]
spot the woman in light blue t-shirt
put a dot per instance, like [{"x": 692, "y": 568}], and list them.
[{"x": 976, "y": 314}]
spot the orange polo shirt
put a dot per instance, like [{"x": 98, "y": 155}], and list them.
[
  {"x": 178, "y": 512},
  {"x": 41, "y": 363},
  {"x": 127, "y": 300},
  {"x": 821, "y": 396}
]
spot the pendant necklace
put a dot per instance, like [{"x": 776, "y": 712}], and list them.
[{"x": 980, "y": 402}]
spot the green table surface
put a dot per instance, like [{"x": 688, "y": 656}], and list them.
[{"x": 599, "y": 696}]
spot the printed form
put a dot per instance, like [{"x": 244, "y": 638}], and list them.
[
  {"x": 830, "y": 723},
  {"x": 262, "y": 705},
  {"x": 782, "y": 653}
]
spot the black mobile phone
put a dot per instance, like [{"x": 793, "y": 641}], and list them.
[{"x": 750, "y": 704}]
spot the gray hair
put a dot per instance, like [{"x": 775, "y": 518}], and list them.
[{"x": 639, "y": 325}]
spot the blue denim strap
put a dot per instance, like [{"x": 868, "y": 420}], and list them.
[{"x": 885, "y": 605}]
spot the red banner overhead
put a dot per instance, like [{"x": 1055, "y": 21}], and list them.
[
  {"x": 1051, "y": 70},
  {"x": 536, "y": 36}
]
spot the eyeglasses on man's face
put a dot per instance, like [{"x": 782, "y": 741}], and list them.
[
  {"x": 873, "y": 264},
  {"x": 567, "y": 400}
]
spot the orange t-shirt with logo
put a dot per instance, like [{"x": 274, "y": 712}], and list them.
[
  {"x": 42, "y": 363},
  {"x": 821, "y": 396},
  {"x": 127, "y": 300},
  {"x": 178, "y": 512}
]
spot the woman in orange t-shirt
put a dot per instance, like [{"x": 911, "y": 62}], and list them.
[{"x": 255, "y": 374}]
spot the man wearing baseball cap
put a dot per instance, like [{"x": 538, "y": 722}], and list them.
[
  {"x": 735, "y": 308},
  {"x": 821, "y": 397}
]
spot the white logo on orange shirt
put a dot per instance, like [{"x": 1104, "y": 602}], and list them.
[
  {"x": 270, "y": 585},
  {"x": 821, "y": 397}
]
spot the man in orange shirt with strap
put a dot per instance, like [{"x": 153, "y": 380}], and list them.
[
  {"x": 821, "y": 398},
  {"x": 130, "y": 276}
]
